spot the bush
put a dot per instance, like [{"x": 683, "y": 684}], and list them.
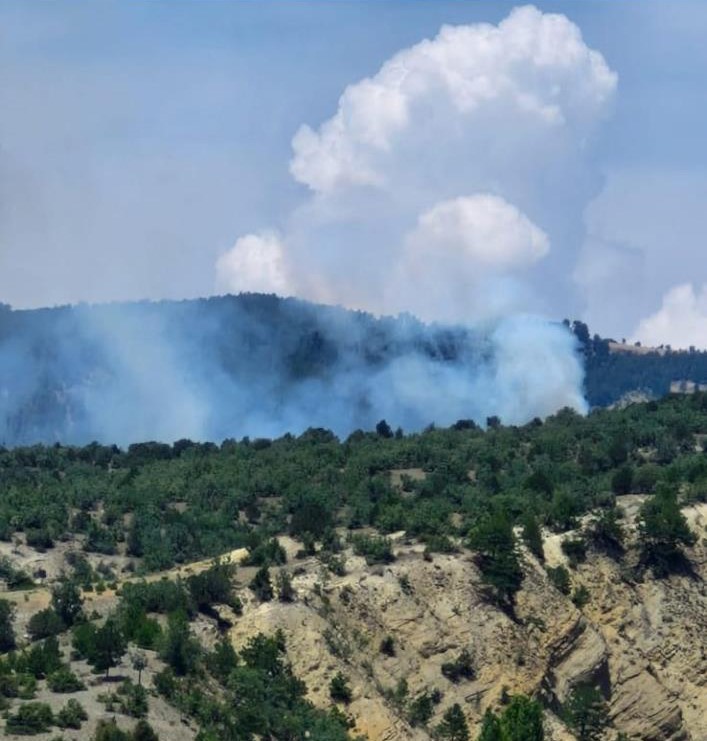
[
  {"x": 339, "y": 689},
  {"x": 43, "y": 658},
  {"x": 373, "y": 548},
  {"x": 663, "y": 530},
  {"x": 285, "y": 591},
  {"x": 30, "y": 719},
  {"x": 132, "y": 699},
  {"x": 261, "y": 585},
  {"x": 7, "y": 632},
  {"x": 387, "y": 646},
  {"x": 213, "y": 586},
  {"x": 580, "y": 596},
  {"x": 421, "y": 709},
  {"x": 560, "y": 578},
  {"x": 575, "y": 549},
  {"x": 71, "y": 715},
  {"x": 64, "y": 681},
  {"x": 44, "y": 624},
  {"x": 143, "y": 731},
  {"x": 107, "y": 730},
  {"x": 67, "y": 602},
  {"x": 454, "y": 726},
  {"x": 268, "y": 553},
  {"x": 461, "y": 668}
]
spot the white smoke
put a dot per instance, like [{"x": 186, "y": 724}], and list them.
[
  {"x": 451, "y": 184},
  {"x": 681, "y": 320}
]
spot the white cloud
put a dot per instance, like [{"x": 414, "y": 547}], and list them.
[
  {"x": 482, "y": 230},
  {"x": 256, "y": 262},
  {"x": 681, "y": 320},
  {"x": 459, "y": 260},
  {"x": 439, "y": 182},
  {"x": 645, "y": 233},
  {"x": 533, "y": 68}
]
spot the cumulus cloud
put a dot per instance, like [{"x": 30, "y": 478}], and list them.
[
  {"x": 484, "y": 229},
  {"x": 532, "y": 66},
  {"x": 464, "y": 252},
  {"x": 464, "y": 157},
  {"x": 451, "y": 184},
  {"x": 681, "y": 320},
  {"x": 256, "y": 262}
]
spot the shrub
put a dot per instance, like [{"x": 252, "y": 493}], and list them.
[
  {"x": 261, "y": 585},
  {"x": 67, "y": 602},
  {"x": 132, "y": 699},
  {"x": 461, "y": 668},
  {"x": 663, "y": 530},
  {"x": 267, "y": 553},
  {"x": 107, "y": 730},
  {"x": 71, "y": 715},
  {"x": 339, "y": 689},
  {"x": 44, "y": 624},
  {"x": 43, "y": 658},
  {"x": 454, "y": 726},
  {"x": 285, "y": 591},
  {"x": 575, "y": 549},
  {"x": 580, "y": 596},
  {"x": 30, "y": 719},
  {"x": 387, "y": 646},
  {"x": 63, "y": 680},
  {"x": 373, "y": 548},
  {"x": 560, "y": 578},
  {"x": 7, "y": 632},
  {"x": 143, "y": 731},
  {"x": 586, "y": 713},
  {"x": 421, "y": 709},
  {"x": 213, "y": 586}
]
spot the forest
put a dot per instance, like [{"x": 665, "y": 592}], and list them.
[{"x": 483, "y": 490}]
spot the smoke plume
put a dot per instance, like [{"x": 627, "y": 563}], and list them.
[{"x": 450, "y": 184}]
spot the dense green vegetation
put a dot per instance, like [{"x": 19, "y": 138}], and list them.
[
  {"x": 452, "y": 489},
  {"x": 610, "y": 375},
  {"x": 165, "y": 504}
]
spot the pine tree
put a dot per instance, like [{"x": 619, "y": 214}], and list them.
[
  {"x": 586, "y": 713},
  {"x": 453, "y": 726},
  {"x": 522, "y": 720},
  {"x": 490, "y": 727}
]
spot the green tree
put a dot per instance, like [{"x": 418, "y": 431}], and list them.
[
  {"x": 179, "y": 648},
  {"x": 522, "y": 720},
  {"x": 109, "y": 646},
  {"x": 490, "y": 727},
  {"x": 499, "y": 563},
  {"x": 45, "y": 623},
  {"x": 143, "y": 731},
  {"x": 663, "y": 530},
  {"x": 7, "y": 631},
  {"x": 532, "y": 535},
  {"x": 67, "y": 602},
  {"x": 454, "y": 726},
  {"x": 138, "y": 661},
  {"x": 261, "y": 584},
  {"x": 586, "y": 713},
  {"x": 339, "y": 689}
]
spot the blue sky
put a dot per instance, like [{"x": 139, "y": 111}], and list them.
[{"x": 140, "y": 141}]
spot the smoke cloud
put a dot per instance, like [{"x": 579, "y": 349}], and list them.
[
  {"x": 681, "y": 320},
  {"x": 451, "y": 184}
]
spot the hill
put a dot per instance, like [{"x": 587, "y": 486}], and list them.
[
  {"x": 396, "y": 586},
  {"x": 260, "y": 365}
]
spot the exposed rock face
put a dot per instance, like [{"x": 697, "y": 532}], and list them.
[{"x": 643, "y": 643}]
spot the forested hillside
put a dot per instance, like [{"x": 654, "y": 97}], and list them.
[
  {"x": 496, "y": 538},
  {"x": 262, "y": 365}
]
